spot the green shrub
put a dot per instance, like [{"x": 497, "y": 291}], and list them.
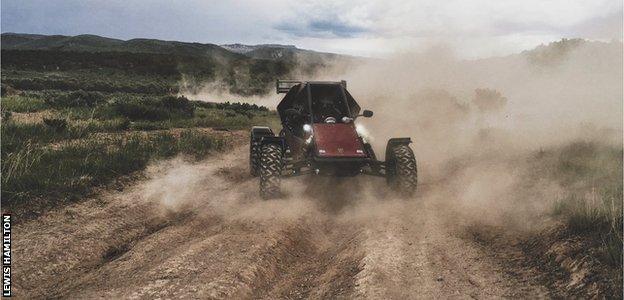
[
  {"x": 140, "y": 108},
  {"x": 6, "y": 115},
  {"x": 236, "y": 106},
  {"x": 178, "y": 104},
  {"x": 78, "y": 98},
  {"x": 147, "y": 126},
  {"x": 240, "y": 107},
  {"x": 153, "y": 109}
]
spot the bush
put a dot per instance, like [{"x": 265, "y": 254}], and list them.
[
  {"x": 240, "y": 107},
  {"x": 179, "y": 104},
  {"x": 148, "y": 126},
  {"x": 153, "y": 109},
  {"x": 140, "y": 108},
  {"x": 78, "y": 98}
]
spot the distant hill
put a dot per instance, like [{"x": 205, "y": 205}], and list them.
[
  {"x": 242, "y": 69},
  {"x": 239, "y": 68},
  {"x": 94, "y": 43},
  {"x": 555, "y": 52},
  {"x": 281, "y": 52},
  {"x": 244, "y": 49}
]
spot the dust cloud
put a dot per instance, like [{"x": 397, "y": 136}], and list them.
[
  {"x": 474, "y": 124},
  {"x": 182, "y": 185},
  {"x": 217, "y": 91},
  {"x": 221, "y": 188}
]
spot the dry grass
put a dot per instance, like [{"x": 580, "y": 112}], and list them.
[{"x": 592, "y": 175}]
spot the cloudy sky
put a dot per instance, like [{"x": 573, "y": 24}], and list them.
[{"x": 474, "y": 28}]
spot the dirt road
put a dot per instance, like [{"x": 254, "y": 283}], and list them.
[{"x": 200, "y": 231}]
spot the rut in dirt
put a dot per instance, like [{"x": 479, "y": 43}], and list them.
[{"x": 200, "y": 230}]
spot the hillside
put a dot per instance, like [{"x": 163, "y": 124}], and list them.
[
  {"x": 94, "y": 43},
  {"x": 163, "y": 66},
  {"x": 239, "y": 69},
  {"x": 244, "y": 49}
]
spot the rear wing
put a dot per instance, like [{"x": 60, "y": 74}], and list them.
[{"x": 283, "y": 86}]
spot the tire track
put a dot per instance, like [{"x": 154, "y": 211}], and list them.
[
  {"x": 201, "y": 231},
  {"x": 324, "y": 266}
]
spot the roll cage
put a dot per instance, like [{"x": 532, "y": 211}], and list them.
[{"x": 314, "y": 101}]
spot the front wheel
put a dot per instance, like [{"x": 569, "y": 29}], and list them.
[
  {"x": 270, "y": 171},
  {"x": 401, "y": 170}
]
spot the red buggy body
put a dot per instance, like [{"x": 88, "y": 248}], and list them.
[
  {"x": 337, "y": 140},
  {"x": 319, "y": 137}
]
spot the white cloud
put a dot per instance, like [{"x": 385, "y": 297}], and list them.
[
  {"x": 368, "y": 27},
  {"x": 478, "y": 27}
]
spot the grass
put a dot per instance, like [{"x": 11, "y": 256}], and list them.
[
  {"x": 69, "y": 127},
  {"x": 87, "y": 139},
  {"x": 592, "y": 175},
  {"x": 69, "y": 172},
  {"x": 15, "y": 135},
  {"x": 197, "y": 144},
  {"x": 138, "y": 112},
  {"x": 23, "y": 104}
]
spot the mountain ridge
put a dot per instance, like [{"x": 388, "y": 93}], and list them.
[{"x": 95, "y": 43}]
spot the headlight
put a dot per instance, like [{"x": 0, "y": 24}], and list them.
[
  {"x": 363, "y": 132},
  {"x": 307, "y": 128}
]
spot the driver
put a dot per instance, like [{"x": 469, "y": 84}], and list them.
[{"x": 328, "y": 109}]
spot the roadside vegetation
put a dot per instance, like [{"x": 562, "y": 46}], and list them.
[
  {"x": 74, "y": 121},
  {"x": 591, "y": 174},
  {"x": 57, "y": 146},
  {"x": 80, "y": 112}
]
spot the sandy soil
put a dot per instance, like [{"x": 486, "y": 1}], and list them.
[{"x": 199, "y": 230}]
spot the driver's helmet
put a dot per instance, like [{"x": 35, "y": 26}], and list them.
[{"x": 330, "y": 120}]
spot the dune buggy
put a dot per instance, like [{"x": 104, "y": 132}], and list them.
[{"x": 319, "y": 137}]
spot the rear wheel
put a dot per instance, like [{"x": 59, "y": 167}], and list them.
[
  {"x": 402, "y": 173},
  {"x": 254, "y": 158},
  {"x": 270, "y": 171}
]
